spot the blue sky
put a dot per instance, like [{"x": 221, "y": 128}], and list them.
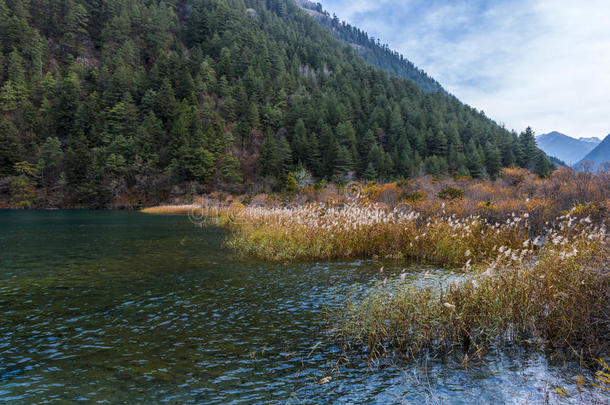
[{"x": 543, "y": 63}]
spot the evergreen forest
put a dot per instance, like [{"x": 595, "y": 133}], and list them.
[{"x": 137, "y": 101}]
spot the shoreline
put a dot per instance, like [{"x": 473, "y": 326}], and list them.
[{"x": 547, "y": 285}]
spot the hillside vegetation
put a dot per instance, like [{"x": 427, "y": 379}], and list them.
[
  {"x": 371, "y": 50},
  {"x": 134, "y": 102}
]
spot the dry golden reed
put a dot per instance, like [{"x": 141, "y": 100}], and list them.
[
  {"x": 366, "y": 229},
  {"x": 556, "y": 296},
  {"x": 171, "y": 209}
]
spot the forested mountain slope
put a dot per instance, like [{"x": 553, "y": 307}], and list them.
[
  {"x": 371, "y": 50},
  {"x": 124, "y": 100}
]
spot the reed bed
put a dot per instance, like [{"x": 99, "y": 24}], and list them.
[
  {"x": 171, "y": 209},
  {"x": 367, "y": 229},
  {"x": 552, "y": 289},
  {"x": 556, "y": 296}
]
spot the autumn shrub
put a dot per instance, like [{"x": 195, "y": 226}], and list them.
[
  {"x": 515, "y": 193},
  {"x": 590, "y": 210},
  {"x": 260, "y": 200},
  {"x": 328, "y": 194},
  {"x": 514, "y": 176},
  {"x": 451, "y": 193},
  {"x": 414, "y": 196},
  {"x": 488, "y": 191},
  {"x": 388, "y": 194},
  {"x": 247, "y": 199}
]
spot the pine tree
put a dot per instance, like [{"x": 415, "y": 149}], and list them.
[
  {"x": 88, "y": 119},
  {"x": 300, "y": 143},
  {"x": 76, "y": 27},
  {"x": 69, "y": 98},
  {"x": 229, "y": 169},
  {"x": 527, "y": 149},
  {"x": 396, "y": 128},
  {"x": 268, "y": 160},
  {"x": 198, "y": 164},
  {"x": 435, "y": 165},
  {"x": 9, "y": 100},
  {"x": 493, "y": 159},
  {"x": 343, "y": 162},
  {"x": 150, "y": 136},
  {"x": 283, "y": 157},
  {"x": 16, "y": 76},
  {"x": 166, "y": 105},
  {"x": 364, "y": 145},
  {"x": 313, "y": 159},
  {"x": 78, "y": 161},
  {"x": 474, "y": 160},
  {"x": 370, "y": 173},
  {"x": 542, "y": 166},
  {"x": 375, "y": 158},
  {"x": 330, "y": 153},
  {"x": 225, "y": 65},
  {"x": 291, "y": 185},
  {"x": 136, "y": 91},
  {"x": 50, "y": 159},
  {"x": 9, "y": 147}
]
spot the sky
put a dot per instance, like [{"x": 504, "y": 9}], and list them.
[{"x": 538, "y": 63}]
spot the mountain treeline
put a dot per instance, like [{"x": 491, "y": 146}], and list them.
[
  {"x": 371, "y": 49},
  {"x": 132, "y": 100}
]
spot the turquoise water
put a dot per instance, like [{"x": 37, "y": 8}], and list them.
[{"x": 120, "y": 307}]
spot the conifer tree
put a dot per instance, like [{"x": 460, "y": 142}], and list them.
[
  {"x": 9, "y": 147},
  {"x": 50, "y": 159},
  {"x": 370, "y": 173}
]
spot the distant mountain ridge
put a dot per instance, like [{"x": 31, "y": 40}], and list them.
[
  {"x": 593, "y": 139},
  {"x": 566, "y": 148},
  {"x": 598, "y": 158}
]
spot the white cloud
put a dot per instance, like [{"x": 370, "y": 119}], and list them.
[{"x": 544, "y": 63}]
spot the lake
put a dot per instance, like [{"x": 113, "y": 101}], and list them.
[{"x": 122, "y": 307}]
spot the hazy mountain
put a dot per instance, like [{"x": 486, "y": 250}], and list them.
[
  {"x": 563, "y": 147},
  {"x": 598, "y": 157},
  {"x": 593, "y": 139}
]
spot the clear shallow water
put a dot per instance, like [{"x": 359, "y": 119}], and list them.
[{"x": 119, "y": 307}]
